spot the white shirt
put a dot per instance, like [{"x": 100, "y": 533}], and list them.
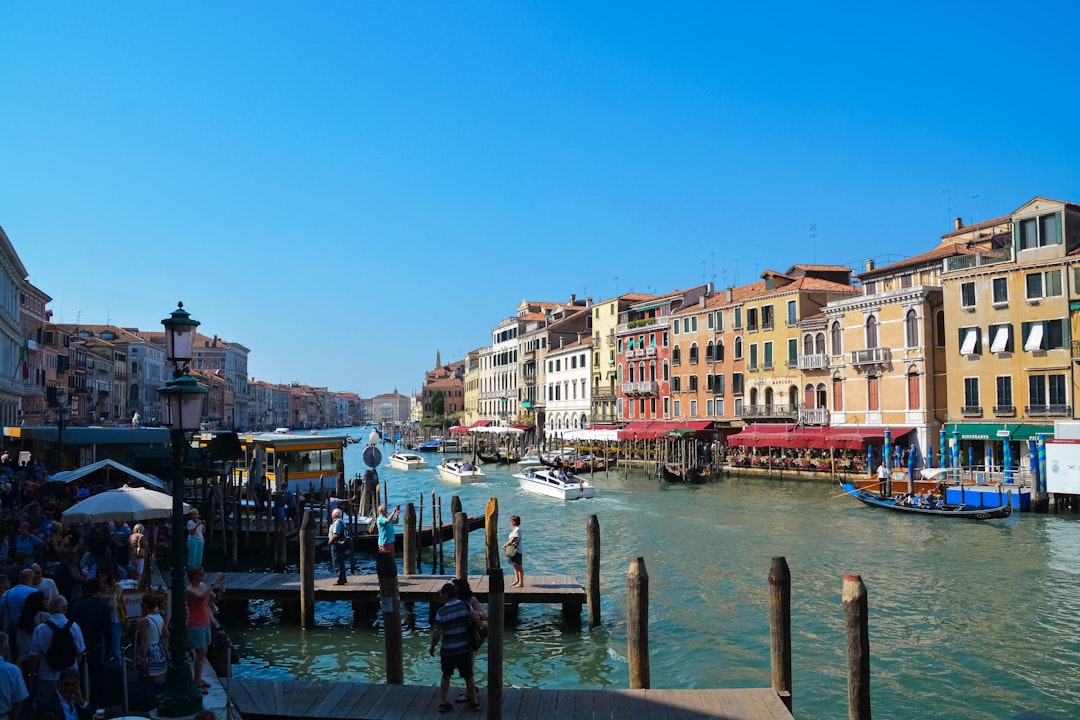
[{"x": 42, "y": 639}]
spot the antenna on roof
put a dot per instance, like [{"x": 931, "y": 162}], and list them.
[
  {"x": 616, "y": 286},
  {"x": 975, "y": 219},
  {"x": 813, "y": 242},
  {"x": 702, "y": 272}
]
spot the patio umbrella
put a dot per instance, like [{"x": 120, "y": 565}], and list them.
[{"x": 124, "y": 504}]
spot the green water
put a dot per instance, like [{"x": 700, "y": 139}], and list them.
[{"x": 967, "y": 619}]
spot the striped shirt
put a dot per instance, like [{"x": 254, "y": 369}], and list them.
[{"x": 452, "y": 621}]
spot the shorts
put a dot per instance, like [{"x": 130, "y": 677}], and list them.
[
  {"x": 199, "y": 637},
  {"x": 462, "y": 662},
  {"x": 516, "y": 560},
  {"x": 388, "y": 547}
]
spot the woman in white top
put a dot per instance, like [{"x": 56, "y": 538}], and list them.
[
  {"x": 195, "y": 540},
  {"x": 153, "y": 657},
  {"x": 515, "y": 540}
]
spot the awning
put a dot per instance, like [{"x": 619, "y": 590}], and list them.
[
  {"x": 653, "y": 429},
  {"x": 761, "y": 435},
  {"x": 68, "y": 476},
  {"x": 1028, "y": 432},
  {"x": 459, "y": 429},
  {"x": 520, "y": 426},
  {"x": 998, "y": 431},
  {"x": 856, "y": 438},
  {"x": 805, "y": 438}
]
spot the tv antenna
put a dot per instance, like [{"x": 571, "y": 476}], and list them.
[{"x": 813, "y": 242}]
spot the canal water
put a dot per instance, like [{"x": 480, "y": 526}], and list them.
[{"x": 967, "y": 619}]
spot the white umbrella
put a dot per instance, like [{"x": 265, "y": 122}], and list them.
[{"x": 123, "y": 504}]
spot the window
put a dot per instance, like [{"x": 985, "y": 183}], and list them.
[
  {"x": 967, "y": 295},
  {"x": 718, "y": 384},
  {"x": 1040, "y": 232},
  {"x": 766, "y": 355},
  {"x": 911, "y": 328},
  {"x": 939, "y": 328},
  {"x": 676, "y": 383},
  {"x": 870, "y": 288},
  {"x": 719, "y": 321},
  {"x": 718, "y": 351},
  {"x": 693, "y": 323},
  {"x": 792, "y": 313},
  {"x": 1045, "y": 335},
  {"x": 767, "y": 317},
  {"x": 693, "y": 354},
  {"x": 1044, "y": 284},
  {"x": 1000, "y": 287},
  {"x": 871, "y": 332},
  {"x": 708, "y": 408},
  {"x": 676, "y": 355},
  {"x": 837, "y": 339},
  {"x": 1003, "y": 384},
  {"x": 1047, "y": 390},
  {"x": 676, "y": 408},
  {"x": 751, "y": 320},
  {"x": 837, "y": 394},
  {"x": 719, "y": 408},
  {"x": 686, "y": 324},
  {"x": 737, "y": 383},
  {"x": 906, "y": 280},
  {"x": 710, "y": 323},
  {"x": 873, "y": 393},
  {"x": 913, "y": 394},
  {"x": 792, "y": 351},
  {"x": 675, "y": 327},
  {"x": 667, "y": 372},
  {"x": 753, "y": 356},
  {"x": 738, "y": 319},
  {"x": 1000, "y": 338},
  {"x": 969, "y": 341},
  {"x": 693, "y": 383},
  {"x": 971, "y": 392},
  {"x": 738, "y": 348},
  {"x": 693, "y": 408}
]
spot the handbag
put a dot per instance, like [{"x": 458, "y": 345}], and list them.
[
  {"x": 477, "y": 634},
  {"x": 510, "y": 550}
]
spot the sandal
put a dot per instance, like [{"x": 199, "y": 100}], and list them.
[{"x": 446, "y": 707}]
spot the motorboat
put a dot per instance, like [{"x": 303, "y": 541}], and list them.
[
  {"x": 530, "y": 460},
  {"x": 407, "y": 461},
  {"x": 457, "y": 470},
  {"x": 559, "y": 484}
]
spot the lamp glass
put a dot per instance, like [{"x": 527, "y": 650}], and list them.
[
  {"x": 179, "y": 334},
  {"x": 181, "y": 403},
  {"x": 61, "y": 396}
]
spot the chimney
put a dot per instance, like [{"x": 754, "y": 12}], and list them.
[
  {"x": 958, "y": 223},
  {"x": 730, "y": 295},
  {"x": 701, "y": 301},
  {"x": 869, "y": 265},
  {"x": 573, "y": 297},
  {"x": 588, "y": 302}
]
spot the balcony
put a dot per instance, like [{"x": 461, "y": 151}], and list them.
[
  {"x": 971, "y": 411},
  {"x": 814, "y": 362},
  {"x": 769, "y": 412},
  {"x": 871, "y": 356},
  {"x": 643, "y": 324},
  {"x": 987, "y": 257},
  {"x": 1005, "y": 410},
  {"x": 813, "y": 416},
  {"x": 1048, "y": 410},
  {"x": 641, "y": 387}
]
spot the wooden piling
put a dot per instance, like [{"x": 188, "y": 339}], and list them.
[
  {"x": 307, "y": 571},
  {"x": 780, "y": 627},
  {"x": 439, "y": 536},
  {"x": 408, "y": 541},
  {"x": 637, "y": 624},
  {"x": 496, "y": 620},
  {"x": 858, "y": 647},
  {"x": 455, "y": 505},
  {"x": 592, "y": 561},
  {"x": 461, "y": 544},
  {"x": 390, "y": 605},
  {"x": 492, "y": 548}
]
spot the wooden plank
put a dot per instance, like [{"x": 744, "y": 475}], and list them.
[
  {"x": 328, "y": 700},
  {"x": 361, "y": 699}
]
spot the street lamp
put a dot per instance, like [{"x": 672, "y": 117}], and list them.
[
  {"x": 182, "y": 401},
  {"x": 62, "y": 411}
]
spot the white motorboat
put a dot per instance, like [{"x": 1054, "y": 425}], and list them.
[
  {"x": 407, "y": 461},
  {"x": 530, "y": 460},
  {"x": 460, "y": 471},
  {"x": 558, "y": 484}
]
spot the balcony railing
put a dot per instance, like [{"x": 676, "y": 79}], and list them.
[
  {"x": 987, "y": 257},
  {"x": 814, "y": 362},
  {"x": 641, "y": 387},
  {"x": 971, "y": 411},
  {"x": 769, "y": 411},
  {"x": 642, "y": 324},
  {"x": 1005, "y": 410},
  {"x": 1076, "y": 349},
  {"x": 1048, "y": 410},
  {"x": 870, "y": 356},
  {"x": 813, "y": 416}
]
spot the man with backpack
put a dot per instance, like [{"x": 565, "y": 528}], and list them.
[{"x": 57, "y": 644}]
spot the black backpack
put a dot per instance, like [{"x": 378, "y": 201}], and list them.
[{"x": 61, "y": 653}]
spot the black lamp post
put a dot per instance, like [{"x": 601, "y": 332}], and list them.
[
  {"x": 182, "y": 401},
  {"x": 62, "y": 411}
]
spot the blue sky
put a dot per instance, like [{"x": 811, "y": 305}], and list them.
[{"x": 346, "y": 188}]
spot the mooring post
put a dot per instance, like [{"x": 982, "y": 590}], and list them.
[
  {"x": 492, "y": 548},
  {"x": 780, "y": 627},
  {"x": 409, "y": 545},
  {"x": 461, "y": 544},
  {"x": 390, "y": 605},
  {"x": 592, "y": 560},
  {"x": 307, "y": 571},
  {"x": 637, "y": 623},
  {"x": 496, "y": 620},
  {"x": 455, "y": 505},
  {"x": 858, "y": 647}
]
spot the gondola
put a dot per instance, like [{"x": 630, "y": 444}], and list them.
[
  {"x": 691, "y": 475},
  {"x": 971, "y": 512}
]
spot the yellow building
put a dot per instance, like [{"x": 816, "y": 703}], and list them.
[
  {"x": 1011, "y": 304},
  {"x": 603, "y": 397}
]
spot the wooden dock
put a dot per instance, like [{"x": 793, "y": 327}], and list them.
[
  {"x": 324, "y": 700},
  {"x": 552, "y": 589}
]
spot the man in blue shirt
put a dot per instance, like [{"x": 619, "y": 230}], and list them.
[
  {"x": 385, "y": 525},
  {"x": 452, "y": 628},
  {"x": 11, "y": 605},
  {"x": 337, "y": 537}
]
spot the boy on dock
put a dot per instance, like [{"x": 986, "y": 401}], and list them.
[{"x": 451, "y": 627}]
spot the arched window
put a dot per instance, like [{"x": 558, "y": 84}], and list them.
[
  {"x": 652, "y": 370},
  {"x": 808, "y": 344},
  {"x": 822, "y": 399},
  {"x": 837, "y": 393},
  {"x": 719, "y": 351},
  {"x": 693, "y": 353},
  {"x": 808, "y": 396},
  {"x": 871, "y": 332},
  {"x": 911, "y": 328},
  {"x": 793, "y": 397},
  {"x": 676, "y": 355},
  {"x": 873, "y": 393},
  {"x": 583, "y": 421},
  {"x": 753, "y": 396},
  {"x": 939, "y": 323},
  {"x": 837, "y": 339},
  {"x": 709, "y": 352},
  {"x": 819, "y": 342},
  {"x": 667, "y": 372},
  {"x": 768, "y": 397},
  {"x": 738, "y": 348},
  {"x": 914, "y": 396},
  {"x": 630, "y": 368}
]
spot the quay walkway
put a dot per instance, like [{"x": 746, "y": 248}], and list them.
[
  {"x": 551, "y": 589},
  {"x": 324, "y": 700}
]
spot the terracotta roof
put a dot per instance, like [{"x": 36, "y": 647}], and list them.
[
  {"x": 932, "y": 256},
  {"x": 817, "y": 268}
]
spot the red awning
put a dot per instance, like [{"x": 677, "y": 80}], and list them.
[
  {"x": 653, "y": 429},
  {"x": 857, "y": 438},
  {"x": 761, "y": 435},
  {"x": 522, "y": 427},
  {"x": 804, "y": 438},
  {"x": 459, "y": 429}
]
